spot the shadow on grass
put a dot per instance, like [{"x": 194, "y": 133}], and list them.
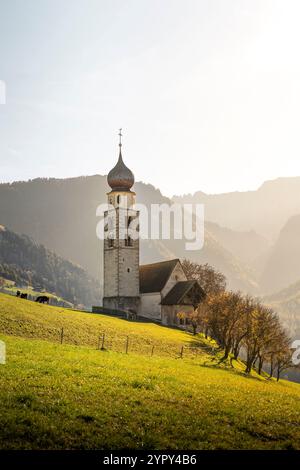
[
  {"x": 204, "y": 345},
  {"x": 214, "y": 363}
]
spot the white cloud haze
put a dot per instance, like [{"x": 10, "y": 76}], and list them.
[{"x": 207, "y": 92}]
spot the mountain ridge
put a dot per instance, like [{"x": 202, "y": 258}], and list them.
[
  {"x": 61, "y": 214},
  {"x": 264, "y": 210},
  {"x": 28, "y": 263}
]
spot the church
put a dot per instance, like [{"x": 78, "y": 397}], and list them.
[{"x": 157, "y": 291}]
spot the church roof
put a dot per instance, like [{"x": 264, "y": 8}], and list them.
[
  {"x": 120, "y": 178},
  {"x": 177, "y": 293},
  {"x": 153, "y": 277}
]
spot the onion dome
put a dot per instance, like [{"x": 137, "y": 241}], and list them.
[{"x": 120, "y": 178}]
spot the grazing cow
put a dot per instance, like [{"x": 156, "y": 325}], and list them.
[
  {"x": 24, "y": 296},
  {"x": 18, "y": 293},
  {"x": 42, "y": 299}
]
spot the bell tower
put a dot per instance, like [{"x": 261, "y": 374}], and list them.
[{"x": 121, "y": 247}]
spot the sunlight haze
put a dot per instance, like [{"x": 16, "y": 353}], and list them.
[{"x": 207, "y": 92}]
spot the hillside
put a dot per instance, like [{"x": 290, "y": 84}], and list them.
[
  {"x": 65, "y": 396},
  {"x": 279, "y": 199},
  {"x": 248, "y": 246},
  {"x": 283, "y": 263},
  {"x": 61, "y": 214},
  {"x": 287, "y": 304},
  {"x": 24, "y": 318},
  {"x": 29, "y": 264}
]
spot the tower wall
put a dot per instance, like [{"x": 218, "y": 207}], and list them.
[{"x": 121, "y": 256}]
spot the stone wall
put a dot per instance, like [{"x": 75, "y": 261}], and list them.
[
  {"x": 110, "y": 266},
  {"x": 121, "y": 259},
  {"x": 177, "y": 275},
  {"x": 129, "y": 271},
  {"x": 150, "y": 306},
  {"x": 122, "y": 303},
  {"x": 169, "y": 313}
]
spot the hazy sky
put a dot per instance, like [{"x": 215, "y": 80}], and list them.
[{"x": 207, "y": 91}]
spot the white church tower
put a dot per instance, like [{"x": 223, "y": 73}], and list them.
[{"x": 121, "y": 250}]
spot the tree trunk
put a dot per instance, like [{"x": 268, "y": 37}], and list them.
[
  {"x": 260, "y": 364},
  {"x": 236, "y": 352},
  {"x": 278, "y": 374},
  {"x": 272, "y": 368},
  {"x": 249, "y": 364},
  {"x": 227, "y": 349}
]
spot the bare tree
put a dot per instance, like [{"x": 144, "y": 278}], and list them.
[
  {"x": 240, "y": 330},
  {"x": 235, "y": 321},
  {"x": 261, "y": 324},
  {"x": 283, "y": 356},
  {"x": 225, "y": 313},
  {"x": 210, "y": 279}
]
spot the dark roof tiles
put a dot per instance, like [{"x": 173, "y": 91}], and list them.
[
  {"x": 153, "y": 277},
  {"x": 177, "y": 293}
]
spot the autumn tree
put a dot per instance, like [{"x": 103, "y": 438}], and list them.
[
  {"x": 283, "y": 356},
  {"x": 191, "y": 318},
  {"x": 266, "y": 340},
  {"x": 236, "y": 321},
  {"x": 225, "y": 310},
  {"x": 240, "y": 330},
  {"x": 210, "y": 279}
]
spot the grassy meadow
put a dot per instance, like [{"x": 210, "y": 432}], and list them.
[
  {"x": 73, "y": 396},
  {"x": 11, "y": 288},
  {"x": 31, "y": 320}
]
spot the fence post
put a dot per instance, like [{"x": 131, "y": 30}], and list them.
[
  {"x": 103, "y": 338},
  {"x": 181, "y": 352},
  {"x": 152, "y": 351},
  {"x": 61, "y": 336},
  {"x": 127, "y": 341}
]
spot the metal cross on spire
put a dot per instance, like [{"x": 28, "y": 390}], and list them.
[{"x": 120, "y": 135}]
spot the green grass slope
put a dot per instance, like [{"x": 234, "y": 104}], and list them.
[
  {"x": 31, "y": 320},
  {"x": 78, "y": 397}
]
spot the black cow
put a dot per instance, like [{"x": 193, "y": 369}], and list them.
[
  {"x": 42, "y": 299},
  {"x": 23, "y": 296}
]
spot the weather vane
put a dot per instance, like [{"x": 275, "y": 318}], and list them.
[{"x": 120, "y": 135}]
